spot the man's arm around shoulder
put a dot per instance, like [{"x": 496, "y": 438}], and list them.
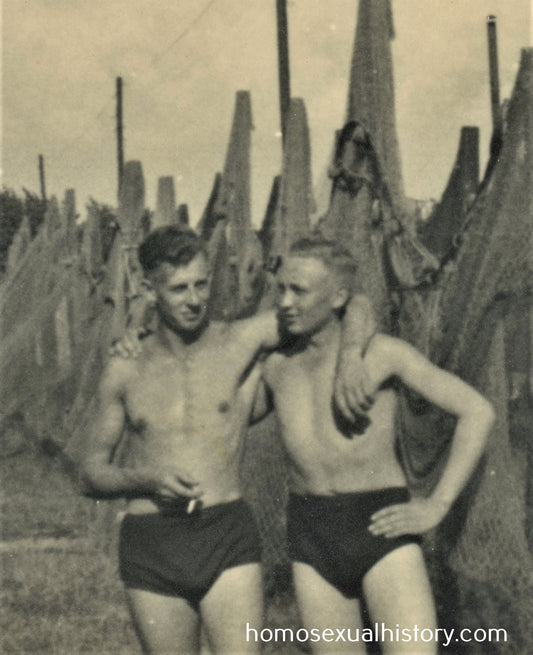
[
  {"x": 352, "y": 386},
  {"x": 259, "y": 332}
]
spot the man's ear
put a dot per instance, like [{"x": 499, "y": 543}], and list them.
[
  {"x": 148, "y": 290},
  {"x": 341, "y": 297}
]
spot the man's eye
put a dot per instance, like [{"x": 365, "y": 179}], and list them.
[{"x": 201, "y": 285}]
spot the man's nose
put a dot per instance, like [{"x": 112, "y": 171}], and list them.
[
  {"x": 286, "y": 300},
  {"x": 192, "y": 297}
]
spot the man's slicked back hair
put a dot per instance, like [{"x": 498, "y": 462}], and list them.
[
  {"x": 331, "y": 253},
  {"x": 171, "y": 244}
]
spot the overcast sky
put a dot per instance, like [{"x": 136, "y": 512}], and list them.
[{"x": 182, "y": 62}]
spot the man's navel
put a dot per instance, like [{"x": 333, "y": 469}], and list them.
[{"x": 223, "y": 407}]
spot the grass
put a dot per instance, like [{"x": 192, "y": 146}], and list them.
[
  {"x": 63, "y": 601},
  {"x": 59, "y": 591},
  {"x": 38, "y": 499}
]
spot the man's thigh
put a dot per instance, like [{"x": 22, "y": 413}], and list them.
[
  {"x": 234, "y": 600},
  {"x": 398, "y": 593},
  {"x": 164, "y": 624},
  {"x": 323, "y": 607}
]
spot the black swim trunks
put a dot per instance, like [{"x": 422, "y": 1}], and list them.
[
  {"x": 330, "y": 533},
  {"x": 182, "y": 555}
]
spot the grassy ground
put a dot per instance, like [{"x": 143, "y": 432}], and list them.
[{"x": 60, "y": 593}]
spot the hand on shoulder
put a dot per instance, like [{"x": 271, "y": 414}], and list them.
[
  {"x": 117, "y": 372},
  {"x": 130, "y": 345}
]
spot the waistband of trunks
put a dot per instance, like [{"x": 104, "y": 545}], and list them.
[
  {"x": 182, "y": 506},
  {"x": 399, "y": 494}
]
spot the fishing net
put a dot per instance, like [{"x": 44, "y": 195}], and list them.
[{"x": 481, "y": 563}]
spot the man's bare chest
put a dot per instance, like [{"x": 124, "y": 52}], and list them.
[{"x": 176, "y": 394}]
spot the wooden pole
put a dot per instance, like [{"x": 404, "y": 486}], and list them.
[
  {"x": 283, "y": 65},
  {"x": 494, "y": 76},
  {"x": 42, "y": 178},
  {"x": 120, "y": 135}
]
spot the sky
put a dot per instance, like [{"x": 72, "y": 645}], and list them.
[{"x": 182, "y": 61}]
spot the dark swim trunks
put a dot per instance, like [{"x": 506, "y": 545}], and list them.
[
  {"x": 330, "y": 533},
  {"x": 182, "y": 555}
]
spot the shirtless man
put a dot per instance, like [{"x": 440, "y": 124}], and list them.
[
  {"x": 352, "y": 526},
  {"x": 188, "y": 544}
]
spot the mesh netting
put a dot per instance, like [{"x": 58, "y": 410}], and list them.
[
  {"x": 481, "y": 563},
  {"x": 264, "y": 476},
  {"x": 349, "y": 222}
]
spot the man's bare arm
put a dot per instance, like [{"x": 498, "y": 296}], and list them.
[
  {"x": 475, "y": 417},
  {"x": 100, "y": 476},
  {"x": 352, "y": 386},
  {"x": 261, "y": 331}
]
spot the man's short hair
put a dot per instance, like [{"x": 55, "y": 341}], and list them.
[
  {"x": 171, "y": 244},
  {"x": 331, "y": 253}
]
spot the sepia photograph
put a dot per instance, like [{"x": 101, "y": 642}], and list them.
[{"x": 266, "y": 310}]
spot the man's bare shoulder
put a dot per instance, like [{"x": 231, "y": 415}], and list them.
[
  {"x": 284, "y": 360},
  {"x": 273, "y": 360},
  {"x": 387, "y": 356},
  {"x": 223, "y": 329},
  {"x": 119, "y": 369}
]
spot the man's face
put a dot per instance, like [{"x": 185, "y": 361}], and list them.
[
  {"x": 182, "y": 293},
  {"x": 308, "y": 295}
]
